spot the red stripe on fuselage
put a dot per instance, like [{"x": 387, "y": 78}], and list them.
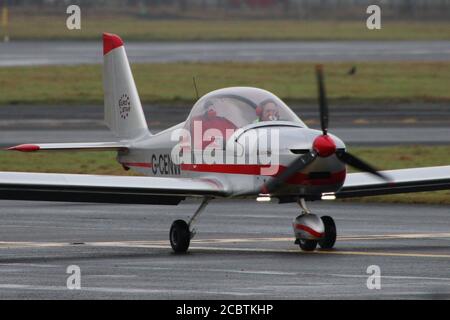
[
  {"x": 252, "y": 169},
  {"x": 255, "y": 169}
]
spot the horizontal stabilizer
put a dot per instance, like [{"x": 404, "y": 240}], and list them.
[{"x": 81, "y": 146}]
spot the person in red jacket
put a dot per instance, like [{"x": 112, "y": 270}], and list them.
[{"x": 210, "y": 120}]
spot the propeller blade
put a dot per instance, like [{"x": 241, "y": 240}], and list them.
[
  {"x": 297, "y": 165},
  {"x": 357, "y": 163},
  {"x": 322, "y": 99}
]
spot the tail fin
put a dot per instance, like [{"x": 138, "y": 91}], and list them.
[{"x": 123, "y": 109}]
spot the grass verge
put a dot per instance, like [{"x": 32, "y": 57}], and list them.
[
  {"x": 172, "y": 82},
  {"x": 53, "y": 27}
]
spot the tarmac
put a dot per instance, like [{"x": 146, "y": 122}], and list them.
[
  {"x": 27, "y": 53},
  {"x": 362, "y": 125},
  {"x": 242, "y": 250}
]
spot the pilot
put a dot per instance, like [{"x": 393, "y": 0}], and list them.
[
  {"x": 267, "y": 111},
  {"x": 210, "y": 120}
]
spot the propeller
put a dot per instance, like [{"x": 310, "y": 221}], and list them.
[
  {"x": 323, "y": 146},
  {"x": 323, "y": 105},
  {"x": 357, "y": 163}
]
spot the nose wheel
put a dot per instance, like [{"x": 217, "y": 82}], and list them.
[
  {"x": 329, "y": 239},
  {"x": 326, "y": 242},
  {"x": 307, "y": 245},
  {"x": 310, "y": 230}
]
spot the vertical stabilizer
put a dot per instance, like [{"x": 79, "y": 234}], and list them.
[{"x": 123, "y": 110}]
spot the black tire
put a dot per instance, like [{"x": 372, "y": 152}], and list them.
[
  {"x": 307, "y": 245},
  {"x": 180, "y": 236},
  {"x": 330, "y": 233}
]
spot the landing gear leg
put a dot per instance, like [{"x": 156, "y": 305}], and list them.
[
  {"x": 181, "y": 232},
  {"x": 302, "y": 203}
]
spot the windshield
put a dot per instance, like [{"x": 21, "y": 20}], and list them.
[{"x": 233, "y": 108}]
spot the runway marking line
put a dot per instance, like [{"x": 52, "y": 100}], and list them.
[
  {"x": 335, "y": 252},
  {"x": 225, "y": 240},
  {"x": 126, "y": 290},
  {"x": 196, "y": 245}
]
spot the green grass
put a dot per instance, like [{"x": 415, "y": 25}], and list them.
[
  {"x": 39, "y": 27},
  {"x": 104, "y": 163},
  {"x": 172, "y": 82},
  {"x": 62, "y": 162},
  {"x": 399, "y": 157}
]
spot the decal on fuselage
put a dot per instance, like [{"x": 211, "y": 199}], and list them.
[{"x": 163, "y": 164}]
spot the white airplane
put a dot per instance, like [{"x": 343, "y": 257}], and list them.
[{"x": 239, "y": 128}]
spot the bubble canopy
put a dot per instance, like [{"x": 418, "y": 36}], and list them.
[{"x": 238, "y": 107}]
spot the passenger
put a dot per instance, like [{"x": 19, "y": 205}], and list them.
[
  {"x": 267, "y": 111},
  {"x": 210, "y": 120}
]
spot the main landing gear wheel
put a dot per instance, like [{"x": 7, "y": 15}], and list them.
[
  {"x": 180, "y": 232},
  {"x": 307, "y": 245},
  {"x": 330, "y": 233},
  {"x": 180, "y": 236}
]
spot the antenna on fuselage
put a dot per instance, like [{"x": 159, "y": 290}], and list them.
[{"x": 195, "y": 86}]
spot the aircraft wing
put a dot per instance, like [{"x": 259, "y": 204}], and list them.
[
  {"x": 402, "y": 181},
  {"x": 105, "y": 189}
]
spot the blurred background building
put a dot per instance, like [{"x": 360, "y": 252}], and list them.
[{"x": 210, "y": 9}]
